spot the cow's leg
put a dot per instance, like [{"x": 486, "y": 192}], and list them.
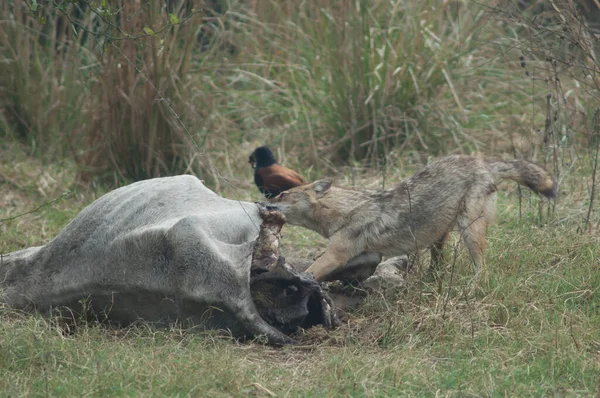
[
  {"x": 247, "y": 314},
  {"x": 234, "y": 308}
]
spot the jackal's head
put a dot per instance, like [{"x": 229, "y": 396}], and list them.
[{"x": 299, "y": 203}]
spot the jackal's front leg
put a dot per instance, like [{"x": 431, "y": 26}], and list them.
[{"x": 338, "y": 253}]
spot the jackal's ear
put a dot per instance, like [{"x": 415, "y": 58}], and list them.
[{"x": 322, "y": 186}]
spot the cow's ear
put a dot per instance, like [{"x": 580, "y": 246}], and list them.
[{"x": 322, "y": 186}]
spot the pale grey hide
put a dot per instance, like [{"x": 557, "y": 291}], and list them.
[{"x": 160, "y": 250}]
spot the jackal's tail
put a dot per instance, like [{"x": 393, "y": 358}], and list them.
[{"x": 525, "y": 173}]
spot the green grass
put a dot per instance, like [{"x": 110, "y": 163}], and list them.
[
  {"x": 411, "y": 80},
  {"x": 531, "y": 329}
]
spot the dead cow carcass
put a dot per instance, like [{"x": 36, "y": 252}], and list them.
[{"x": 167, "y": 250}]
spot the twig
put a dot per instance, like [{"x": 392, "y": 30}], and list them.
[
  {"x": 264, "y": 389},
  {"x": 63, "y": 195},
  {"x": 572, "y": 335},
  {"x": 596, "y": 136},
  {"x": 518, "y": 187},
  {"x": 110, "y": 25}
]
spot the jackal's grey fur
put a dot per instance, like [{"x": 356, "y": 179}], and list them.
[{"x": 416, "y": 213}]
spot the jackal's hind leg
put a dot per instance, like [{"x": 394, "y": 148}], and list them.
[
  {"x": 473, "y": 233},
  {"x": 437, "y": 257}
]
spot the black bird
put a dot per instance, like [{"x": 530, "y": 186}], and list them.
[{"x": 270, "y": 177}]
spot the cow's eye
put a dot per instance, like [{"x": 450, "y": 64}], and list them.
[
  {"x": 282, "y": 195},
  {"x": 290, "y": 290}
]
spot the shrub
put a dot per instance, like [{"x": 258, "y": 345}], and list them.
[
  {"x": 137, "y": 128},
  {"x": 41, "y": 77},
  {"x": 135, "y": 90}
]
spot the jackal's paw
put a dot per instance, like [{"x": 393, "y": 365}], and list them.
[{"x": 388, "y": 275}]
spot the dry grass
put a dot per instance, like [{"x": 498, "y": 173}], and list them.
[
  {"x": 134, "y": 131},
  {"x": 295, "y": 76},
  {"x": 143, "y": 79},
  {"x": 42, "y": 79}
]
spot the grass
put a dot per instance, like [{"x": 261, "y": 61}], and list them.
[
  {"x": 368, "y": 105},
  {"x": 531, "y": 329},
  {"x": 409, "y": 77}
]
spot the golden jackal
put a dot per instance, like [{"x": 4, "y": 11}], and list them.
[{"x": 415, "y": 214}]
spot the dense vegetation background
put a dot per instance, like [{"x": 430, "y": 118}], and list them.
[
  {"x": 95, "y": 94},
  {"x": 129, "y": 90}
]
